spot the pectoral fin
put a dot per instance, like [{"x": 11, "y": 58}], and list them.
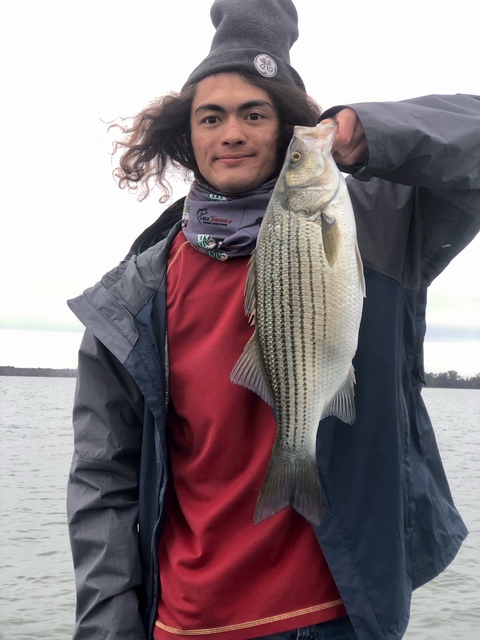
[
  {"x": 331, "y": 238},
  {"x": 361, "y": 274}
]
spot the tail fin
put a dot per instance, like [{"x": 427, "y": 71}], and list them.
[{"x": 296, "y": 484}]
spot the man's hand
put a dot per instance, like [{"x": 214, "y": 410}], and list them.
[{"x": 350, "y": 146}]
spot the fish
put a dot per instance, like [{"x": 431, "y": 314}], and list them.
[{"x": 304, "y": 296}]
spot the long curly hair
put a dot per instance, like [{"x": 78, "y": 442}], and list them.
[{"x": 157, "y": 143}]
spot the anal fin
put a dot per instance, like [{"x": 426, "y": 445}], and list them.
[{"x": 342, "y": 405}]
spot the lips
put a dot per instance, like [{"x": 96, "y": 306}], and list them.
[{"x": 234, "y": 157}]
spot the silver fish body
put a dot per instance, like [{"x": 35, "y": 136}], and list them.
[{"x": 304, "y": 293}]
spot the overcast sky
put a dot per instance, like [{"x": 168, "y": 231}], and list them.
[{"x": 69, "y": 67}]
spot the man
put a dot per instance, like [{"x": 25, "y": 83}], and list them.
[{"x": 170, "y": 455}]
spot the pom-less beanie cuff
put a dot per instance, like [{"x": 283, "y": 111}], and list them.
[{"x": 253, "y": 36}]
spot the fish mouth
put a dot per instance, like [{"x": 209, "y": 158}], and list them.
[
  {"x": 320, "y": 188},
  {"x": 316, "y": 198},
  {"x": 314, "y": 187}
]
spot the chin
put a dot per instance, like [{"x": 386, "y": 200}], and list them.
[
  {"x": 240, "y": 186},
  {"x": 235, "y": 184}
]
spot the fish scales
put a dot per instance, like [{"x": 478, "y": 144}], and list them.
[
  {"x": 284, "y": 283},
  {"x": 304, "y": 294}
]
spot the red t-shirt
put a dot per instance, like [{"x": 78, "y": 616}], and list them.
[{"x": 221, "y": 576}]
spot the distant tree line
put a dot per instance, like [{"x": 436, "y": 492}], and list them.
[
  {"x": 39, "y": 372},
  {"x": 452, "y": 380},
  {"x": 448, "y": 380}
]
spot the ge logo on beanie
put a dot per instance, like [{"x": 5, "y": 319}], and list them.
[{"x": 265, "y": 65}]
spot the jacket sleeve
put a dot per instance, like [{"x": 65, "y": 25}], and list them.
[
  {"x": 424, "y": 157},
  {"x": 102, "y": 497},
  {"x": 431, "y": 141}
]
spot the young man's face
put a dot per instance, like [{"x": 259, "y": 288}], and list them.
[{"x": 234, "y": 133}]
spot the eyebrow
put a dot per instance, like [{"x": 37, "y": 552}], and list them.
[{"x": 243, "y": 107}]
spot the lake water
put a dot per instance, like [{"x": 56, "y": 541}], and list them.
[{"x": 37, "y": 597}]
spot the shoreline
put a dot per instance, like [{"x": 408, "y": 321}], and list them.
[
  {"x": 450, "y": 380},
  {"x": 37, "y": 372}
]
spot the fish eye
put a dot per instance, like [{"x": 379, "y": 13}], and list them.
[{"x": 296, "y": 156}]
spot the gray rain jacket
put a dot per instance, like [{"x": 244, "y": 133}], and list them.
[{"x": 390, "y": 524}]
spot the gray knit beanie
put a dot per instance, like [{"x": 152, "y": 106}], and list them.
[{"x": 254, "y": 36}]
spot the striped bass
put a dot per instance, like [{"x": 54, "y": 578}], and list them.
[{"x": 304, "y": 294}]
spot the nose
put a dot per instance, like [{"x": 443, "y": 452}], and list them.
[{"x": 234, "y": 132}]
